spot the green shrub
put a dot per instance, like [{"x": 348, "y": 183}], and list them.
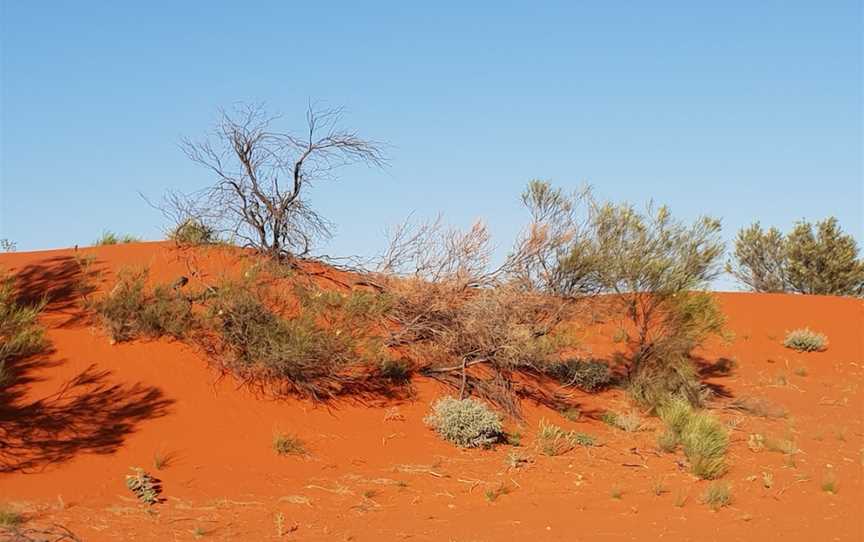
[
  {"x": 805, "y": 340},
  {"x": 288, "y": 445},
  {"x": 111, "y": 238},
  {"x": 10, "y": 518},
  {"x": 717, "y": 495},
  {"x": 553, "y": 440},
  {"x": 20, "y": 332},
  {"x": 395, "y": 370},
  {"x": 705, "y": 442},
  {"x": 193, "y": 232},
  {"x": 630, "y": 422},
  {"x": 129, "y": 311},
  {"x": 145, "y": 488},
  {"x": 467, "y": 422},
  {"x": 703, "y": 437},
  {"x": 588, "y": 375}
]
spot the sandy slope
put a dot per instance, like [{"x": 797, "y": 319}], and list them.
[{"x": 91, "y": 410}]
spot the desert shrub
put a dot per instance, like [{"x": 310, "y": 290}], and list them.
[
  {"x": 717, "y": 495},
  {"x": 811, "y": 259},
  {"x": 805, "y": 340},
  {"x": 8, "y": 245},
  {"x": 316, "y": 346},
  {"x": 193, "y": 232},
  {"x": 705, "y": 442},
  {"x": 467, "y": 423},
  {"x": 552, "y": 440},
  {"x": 145, "y": 488},
  {"x": 288, "y": 445},
  {"x": 111, "y": 238},
  {"x": 20, "y": 332},
  {"x": 10, "y": 518},
  {"x": 396, "y": 370},
  {"x": 166, "y": 313},
  {"x": 588, "y": 375},
  {"x": 629, "y": 422},
  {"x": 703, "y": 437},
  {"x": 129, "y": 310}
]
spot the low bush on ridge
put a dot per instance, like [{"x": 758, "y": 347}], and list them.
[
  {"x": 467, "y": 423},
  {"x": 193, "y": 232},
  {"x": 588, "y": 375},
  {"x": 805, "y": 340}
]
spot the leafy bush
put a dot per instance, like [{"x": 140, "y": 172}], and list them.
[
  {"x": 805, "y": 340},
  {"x": 193, "y": 232},
  {"x": 588, "y": 375},
  {"x": 111, "y": 238},
  {"x": 20, "y": 332},
  {"x": 129, "y": 311},
  {"x": 553, "y": 440},
  {"x": 288, "y": 445},
  {"x": 703, "y": 437},
  {"x": 811, "y": 259},
  {"x": 10, "y": 518},
  {"x": 467, "y": 423},
  {"x": 717, "y": 495},
  {"x": 144, "y": 486}
]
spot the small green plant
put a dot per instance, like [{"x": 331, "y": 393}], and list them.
[
  {"x": 145, "y": 487},
  {"x": 658, "y": 487},
  {"x": 805, "y": 340},
  {"x": 395, "y": 370},
  {"x": 468, "y": 423},
  {"x": 493, "y": 494},
  {"x": 667, "y": 441},
  {"x": 517, "y": 460},
  {"x": 553, "y": 440},
  {"x": 717, "y": 495},
  {"x": 111, "y": 238},
  {"x": 513, "y": 438},
  {"x": 199, "y": 532},
  {"x": 573, "y": 414},
  {"x": 20, "y": 332},
  {"x": 10, "y": 518},
  {"x": 192, "y": 232},
  {"x": 617, "y": 493},
  {"x": 681, "y": 499},
  {"x": 284, "y": 444},
  {"x": 629, "y": 422},
  {"x": 829, "y": 484},
  {"x": 161, "y": 460},
  {"x": 588, "y": 375},
  {"x": 703, "y": 437}
]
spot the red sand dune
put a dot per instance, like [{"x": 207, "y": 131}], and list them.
[{"x": 91, "y": 410}]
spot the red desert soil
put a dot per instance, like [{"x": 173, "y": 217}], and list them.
[{"x": 374, "y": 471}]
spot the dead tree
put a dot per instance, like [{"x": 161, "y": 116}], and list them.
[{"x": 262, "y": 176}]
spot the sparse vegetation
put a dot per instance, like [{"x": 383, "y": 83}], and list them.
[
  {"x": 284, "y": 444},
  {"x": 819, "y": 259},
  {"x": 805, "y": 340},
  {"x": 588, "y": 375},
  {"x": 145, "y": 488},
  {"x": 20, "y": 332},
  {"x": 552, "y": 440},
  {"x": 829, "y": 483},
  {"x": 717, "y": 495},
  {"x": 758, "y": 406},
  {"x": 192, "y": 232},
  {"x": 629, "y": 422},
  {"x": 10, "y": 518},
  {"x": 467, "y": 423},
  {"x": 493, "y": 493},
  {"x": 111, "y": 238},
  {"x": 7, "y": 245},
  {"x": 702, "y": 437}
]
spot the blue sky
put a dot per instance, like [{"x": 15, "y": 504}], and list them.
[{"x": 742, "y": 110}]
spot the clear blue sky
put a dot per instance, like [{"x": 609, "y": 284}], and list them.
[{"x": 744, "y": 110}]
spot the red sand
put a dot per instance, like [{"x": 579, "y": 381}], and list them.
[{"x": 375, "y": 472}]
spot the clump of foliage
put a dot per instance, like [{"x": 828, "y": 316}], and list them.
[
  {"x": 468, "y": 423},
  {"x": 588, "y": 375},
  {"x": 552, "y": 440},
  {"x": 629, "y": 422},
  {"x": 315, "y": 348},
  {"x": 193, "y": 232},
  {"x": 145, "y": 488},
  {"x": 805, "y": 340},
  {"x": 10, "y": 518},
  {"x": 20, "y": 332},
  {"x": 717, "y": 495},
  {"x": 129, "y": 310},
  {"x": 811, "y": 259},
  {"x": 703, "y": 437},
  {"x": 284, "y": 444},
  {"x": 111, "y": 238}
]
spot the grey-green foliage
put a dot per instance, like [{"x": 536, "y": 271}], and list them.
[
  {"x": 811, "y": 259},
  {"x": 805, "y": 340},
  {"x": 20, "y": 332},
  {"x": 703, "y": 437},
  {"x": 467, "y": 423},
  {"x": 589, "y": 375}
]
